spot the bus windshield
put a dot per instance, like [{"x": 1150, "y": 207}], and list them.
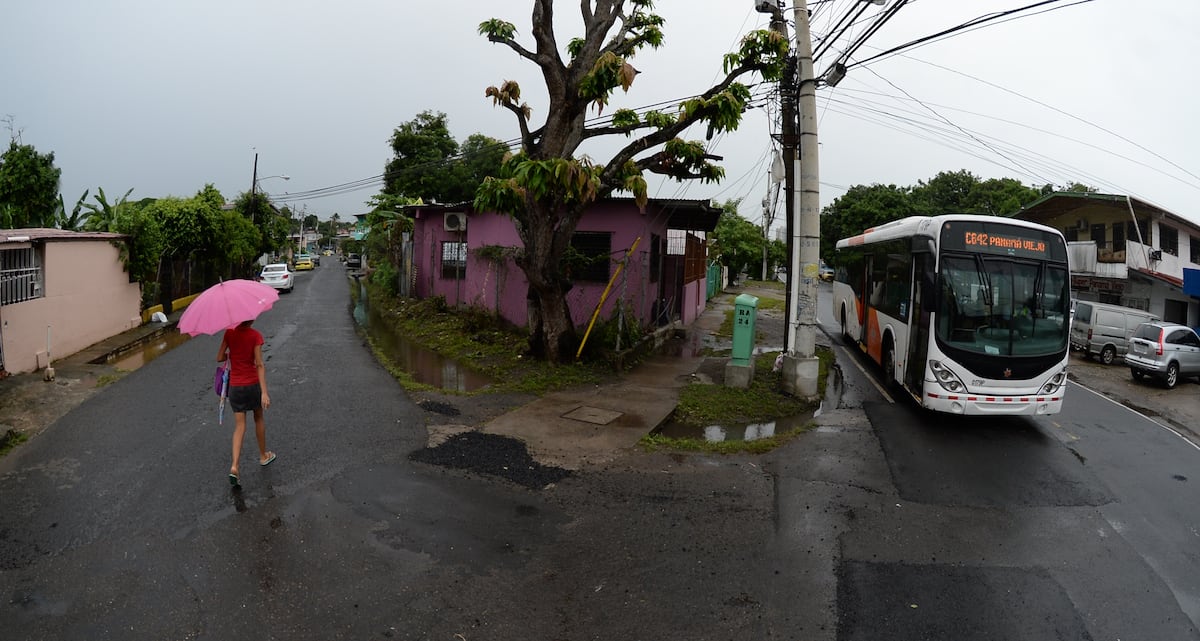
[{"x": 1002, "y": 306}]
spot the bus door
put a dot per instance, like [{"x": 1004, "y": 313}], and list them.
[{"x": 918, "y": 321}]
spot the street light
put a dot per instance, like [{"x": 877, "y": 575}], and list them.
[{"x": 285, "y": 177}]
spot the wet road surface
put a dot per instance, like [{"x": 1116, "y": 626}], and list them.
[{"x": 884, "y": 522}]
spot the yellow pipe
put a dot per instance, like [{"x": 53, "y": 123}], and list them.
[{"x": 604, "y": 296}]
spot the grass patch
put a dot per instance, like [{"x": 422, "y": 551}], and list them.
[
  {"x": 764, "y": 400},
  {"x": 11, "y": 439},
  {"x": 766, "y": 303},
  {"x": 476, "y": 340},
  {"x": 109, "y": 379},
  {"x": 766, "y": 284},
  {"x": 657, "y": 442},
  {"x": 701, "y": 404}
]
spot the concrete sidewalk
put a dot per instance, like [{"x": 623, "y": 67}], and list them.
[
  {"x": 587, "y": 426},
  {"x": 577, "y": 428}
]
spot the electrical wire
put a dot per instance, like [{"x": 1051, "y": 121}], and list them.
[
  {"x": 1048, "y": 132},
  {"x": 970, "y": 25}
]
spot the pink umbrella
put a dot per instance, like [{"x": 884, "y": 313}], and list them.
[{"x": 226, "y": 304}]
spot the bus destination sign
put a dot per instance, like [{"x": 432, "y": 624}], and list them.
[
  {"x": 1002, "y": 239},
  {"x": 984, "y": 239}
]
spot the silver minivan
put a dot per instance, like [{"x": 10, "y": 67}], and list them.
[
  {"x": 1103, "y": 330},
  {"x": 1165, "y": 351}
]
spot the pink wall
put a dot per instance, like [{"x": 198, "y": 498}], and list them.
[
  {"x": 503, "y": 287},
  {"x": 694, "y": 299},
  {"x": 88, "y": 298}
]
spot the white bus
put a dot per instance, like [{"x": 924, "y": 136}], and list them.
[{"x": 970, "y": 314}]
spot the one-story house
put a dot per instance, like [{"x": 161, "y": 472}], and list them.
[
  {"x": 60, "y": 292},
  {"x": 467, "y": 257}
]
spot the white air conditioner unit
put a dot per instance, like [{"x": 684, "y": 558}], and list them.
[{"x": 455, "y": 221}]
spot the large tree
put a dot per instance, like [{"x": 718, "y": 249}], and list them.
[
  {"x": 427, "y": 162},
  {"x": 546, "y": 188},
  {"x": 273, "y": 228},
  {"x": 863, "y": 207},
  {"x": 736, "y": 242},
  {"x": 28, "y": 187}
]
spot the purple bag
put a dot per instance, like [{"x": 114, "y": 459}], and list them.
[{"x": 221, "y": 379}]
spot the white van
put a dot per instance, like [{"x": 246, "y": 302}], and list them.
[{"x": 1101, "y": 329}]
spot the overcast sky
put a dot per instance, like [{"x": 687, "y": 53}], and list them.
[{"x": 163, "y": 97}]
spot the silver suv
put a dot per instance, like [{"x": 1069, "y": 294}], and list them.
[{"x": 1165, "y": 351}]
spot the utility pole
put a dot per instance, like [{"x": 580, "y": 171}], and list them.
[
  {"x": 253, "y": 187},
  {"x": 800, "y": 364},
  {"x": 788, "y": 141}
]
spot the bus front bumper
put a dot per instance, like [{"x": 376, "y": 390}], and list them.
[{"x": 992, "y": 405}]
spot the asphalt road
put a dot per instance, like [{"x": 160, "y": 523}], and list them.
[
  {"x": 118, "y": 521},
  {"x": 1081, "y": 525},
  {"x": 886, "y": 522}
]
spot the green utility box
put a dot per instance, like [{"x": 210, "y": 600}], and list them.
[{"x": 745, "y": 310}]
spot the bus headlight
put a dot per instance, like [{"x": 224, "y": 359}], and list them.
[
  {"x": 947, "y": 379},
  {"x": 1055, "y": 383}
]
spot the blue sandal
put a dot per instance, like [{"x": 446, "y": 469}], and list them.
[{"x": 233, "y": 480}]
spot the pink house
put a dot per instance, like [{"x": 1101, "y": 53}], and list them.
[
  {"x": 65, "y": 286},
  {"x": 465, "y": 256}
]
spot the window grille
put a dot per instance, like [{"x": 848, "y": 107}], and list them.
[
  {"x": 597, "y": 248},
  {"x": 20, "y": 275},
  {"x": 656, "y": 252},
  {"x": 1168, "y": 239},
  {"x": 1194, "y": 243},
  {"x": 454, "y": 260}
]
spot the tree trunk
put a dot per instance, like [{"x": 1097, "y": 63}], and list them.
[
  {"x": 552, "y": 334},
  {"x": 546, "y": 236}
]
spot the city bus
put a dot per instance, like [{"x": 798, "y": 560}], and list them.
[{"x": 969, "y": 314}]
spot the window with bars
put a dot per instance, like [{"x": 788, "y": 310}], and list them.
[
  {"x": 454, "y": 260},
  {"x": 1139, "y": 232},
  {"x": 1195, "y": 247},
  {"x": 21, "y": 277},
  {"x": 656, "y": 247},
  {"x": 1168, "y": 240},
  {"x": 596, "y": 249}
]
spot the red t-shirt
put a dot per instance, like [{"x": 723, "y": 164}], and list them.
[{"x": 241, "y": 342}]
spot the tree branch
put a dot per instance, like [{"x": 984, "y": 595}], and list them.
[
  {"x": 662, "y": 136},
  {"x": 612, "y": 131},
  {"x": 521, "y": 51}
]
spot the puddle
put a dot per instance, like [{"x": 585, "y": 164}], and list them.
[
  {"x": 750, "y": 432},
  {"x": 424, "y": 365},
  {"x": 148, "y": 350}
]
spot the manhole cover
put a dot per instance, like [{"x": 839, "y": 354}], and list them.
[{"x": 592, "y": 415}]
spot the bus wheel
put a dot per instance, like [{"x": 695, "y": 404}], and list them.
[
  {"x": 1108, "y": 355},
  {"x": 889, "y": 366},
  {"x": 845, "y": 330}
]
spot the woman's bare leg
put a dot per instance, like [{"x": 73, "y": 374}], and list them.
[{"x": 239, "y": 432}]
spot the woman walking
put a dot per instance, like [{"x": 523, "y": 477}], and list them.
[{"x": 242, "y": 346}]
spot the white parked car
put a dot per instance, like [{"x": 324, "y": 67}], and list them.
[{"x": 277, "y": 275}]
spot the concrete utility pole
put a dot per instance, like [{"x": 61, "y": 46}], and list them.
[{"x": 800, "y": 364}]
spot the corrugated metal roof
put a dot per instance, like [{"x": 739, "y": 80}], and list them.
[{"x": 45, "y": 233}]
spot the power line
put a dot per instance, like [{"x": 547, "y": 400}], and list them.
[
  {"x": 1023, "y": 125},
  {"x": 971, "y": 24},
  {"x": 1060, "y": 111}
]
